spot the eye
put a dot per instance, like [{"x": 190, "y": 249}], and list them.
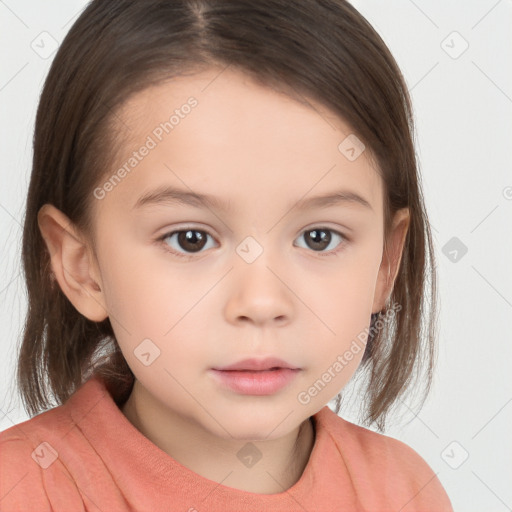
[
  {"x": 190, "y": 240},
  {"x": 319, "y": 238}
]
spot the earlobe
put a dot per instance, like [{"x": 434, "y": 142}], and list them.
[
  {"x": 391, "y": 258},
  {"x": 71, "y": 262}
]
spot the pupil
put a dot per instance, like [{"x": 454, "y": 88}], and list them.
[
  {"x": 189, "y": 240},
  {"x": 320, "y": 237}
]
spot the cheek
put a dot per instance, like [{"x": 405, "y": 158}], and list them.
[
  {"x": 150, "y": 311},
  {"x": 148, "y": 298},
  {"x": 343, "y": 295},
  {"x": 343, "y": 301},
  {"x": 142, "y": 287}
]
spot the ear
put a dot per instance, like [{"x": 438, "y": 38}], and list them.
[
  {"x": 391, "y": 258},
  {"x": 73, "y": 263}
]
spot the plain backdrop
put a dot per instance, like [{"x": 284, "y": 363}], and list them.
[{"x": 455, "y": 57}]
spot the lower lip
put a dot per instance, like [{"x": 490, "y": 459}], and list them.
[{"x": 266, "y": 382}]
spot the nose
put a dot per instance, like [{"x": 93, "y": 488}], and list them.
[{"x": 259, "y": 294}]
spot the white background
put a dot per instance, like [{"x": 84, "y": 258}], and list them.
[{"x": 463, "y": 108}]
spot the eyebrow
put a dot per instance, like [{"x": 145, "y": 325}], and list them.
[{"x": 169, "y": 195}]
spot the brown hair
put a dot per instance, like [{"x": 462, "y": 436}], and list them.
[{"x": 318, "y": 49}]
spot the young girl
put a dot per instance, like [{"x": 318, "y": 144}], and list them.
[{"x": 277, "y": 138}]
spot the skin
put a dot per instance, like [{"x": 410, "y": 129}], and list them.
[{"x": 262, "y": 151}]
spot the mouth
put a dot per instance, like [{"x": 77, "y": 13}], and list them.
[
  {"x": 255, "y": 365},
  {"x": 256, "y": 377}
]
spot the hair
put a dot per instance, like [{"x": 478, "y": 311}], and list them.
[{"x": 322, "y": 50}]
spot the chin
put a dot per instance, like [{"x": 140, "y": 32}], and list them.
[{"x": 253, "y": 423}]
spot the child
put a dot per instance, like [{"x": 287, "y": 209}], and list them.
[{"x": 277, "y": 137}]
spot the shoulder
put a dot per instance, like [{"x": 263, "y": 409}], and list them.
[
  {"x": 373, "y": 447},
  {"x": 30, "y": 464},
  {"x": 396, "y": 471},
  {"x": 21, "y": 485}
]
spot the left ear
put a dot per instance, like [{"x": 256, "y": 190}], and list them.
[{"x": 391, "y": 257}]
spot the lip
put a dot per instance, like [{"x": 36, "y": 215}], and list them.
[
  {"x": 253, "y": 364},
  {"x": 255, "y": 382},
  {"x": 256, "y": 376}
]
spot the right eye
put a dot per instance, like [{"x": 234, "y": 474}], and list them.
[{"x": 190, "y": 240}]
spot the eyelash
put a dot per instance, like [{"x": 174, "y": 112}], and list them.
[{"x": 189, "y": 256}]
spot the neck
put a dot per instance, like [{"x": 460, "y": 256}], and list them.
[{"x": 282, "y": 461}]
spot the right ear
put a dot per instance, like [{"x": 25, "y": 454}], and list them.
[{"x": 73, "y": 263}]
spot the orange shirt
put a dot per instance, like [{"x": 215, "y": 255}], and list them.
[{"x": 86, "y": 456}]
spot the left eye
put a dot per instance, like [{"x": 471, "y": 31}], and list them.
[{"x": 320, "y": 238}]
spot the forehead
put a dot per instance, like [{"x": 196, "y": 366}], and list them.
[{"x": 238, "y": 136}]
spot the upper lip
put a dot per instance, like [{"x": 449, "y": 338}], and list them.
[{"x": 258, "y": 364}]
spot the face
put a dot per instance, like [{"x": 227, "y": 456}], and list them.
[{"x": 257, "y": 271}]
